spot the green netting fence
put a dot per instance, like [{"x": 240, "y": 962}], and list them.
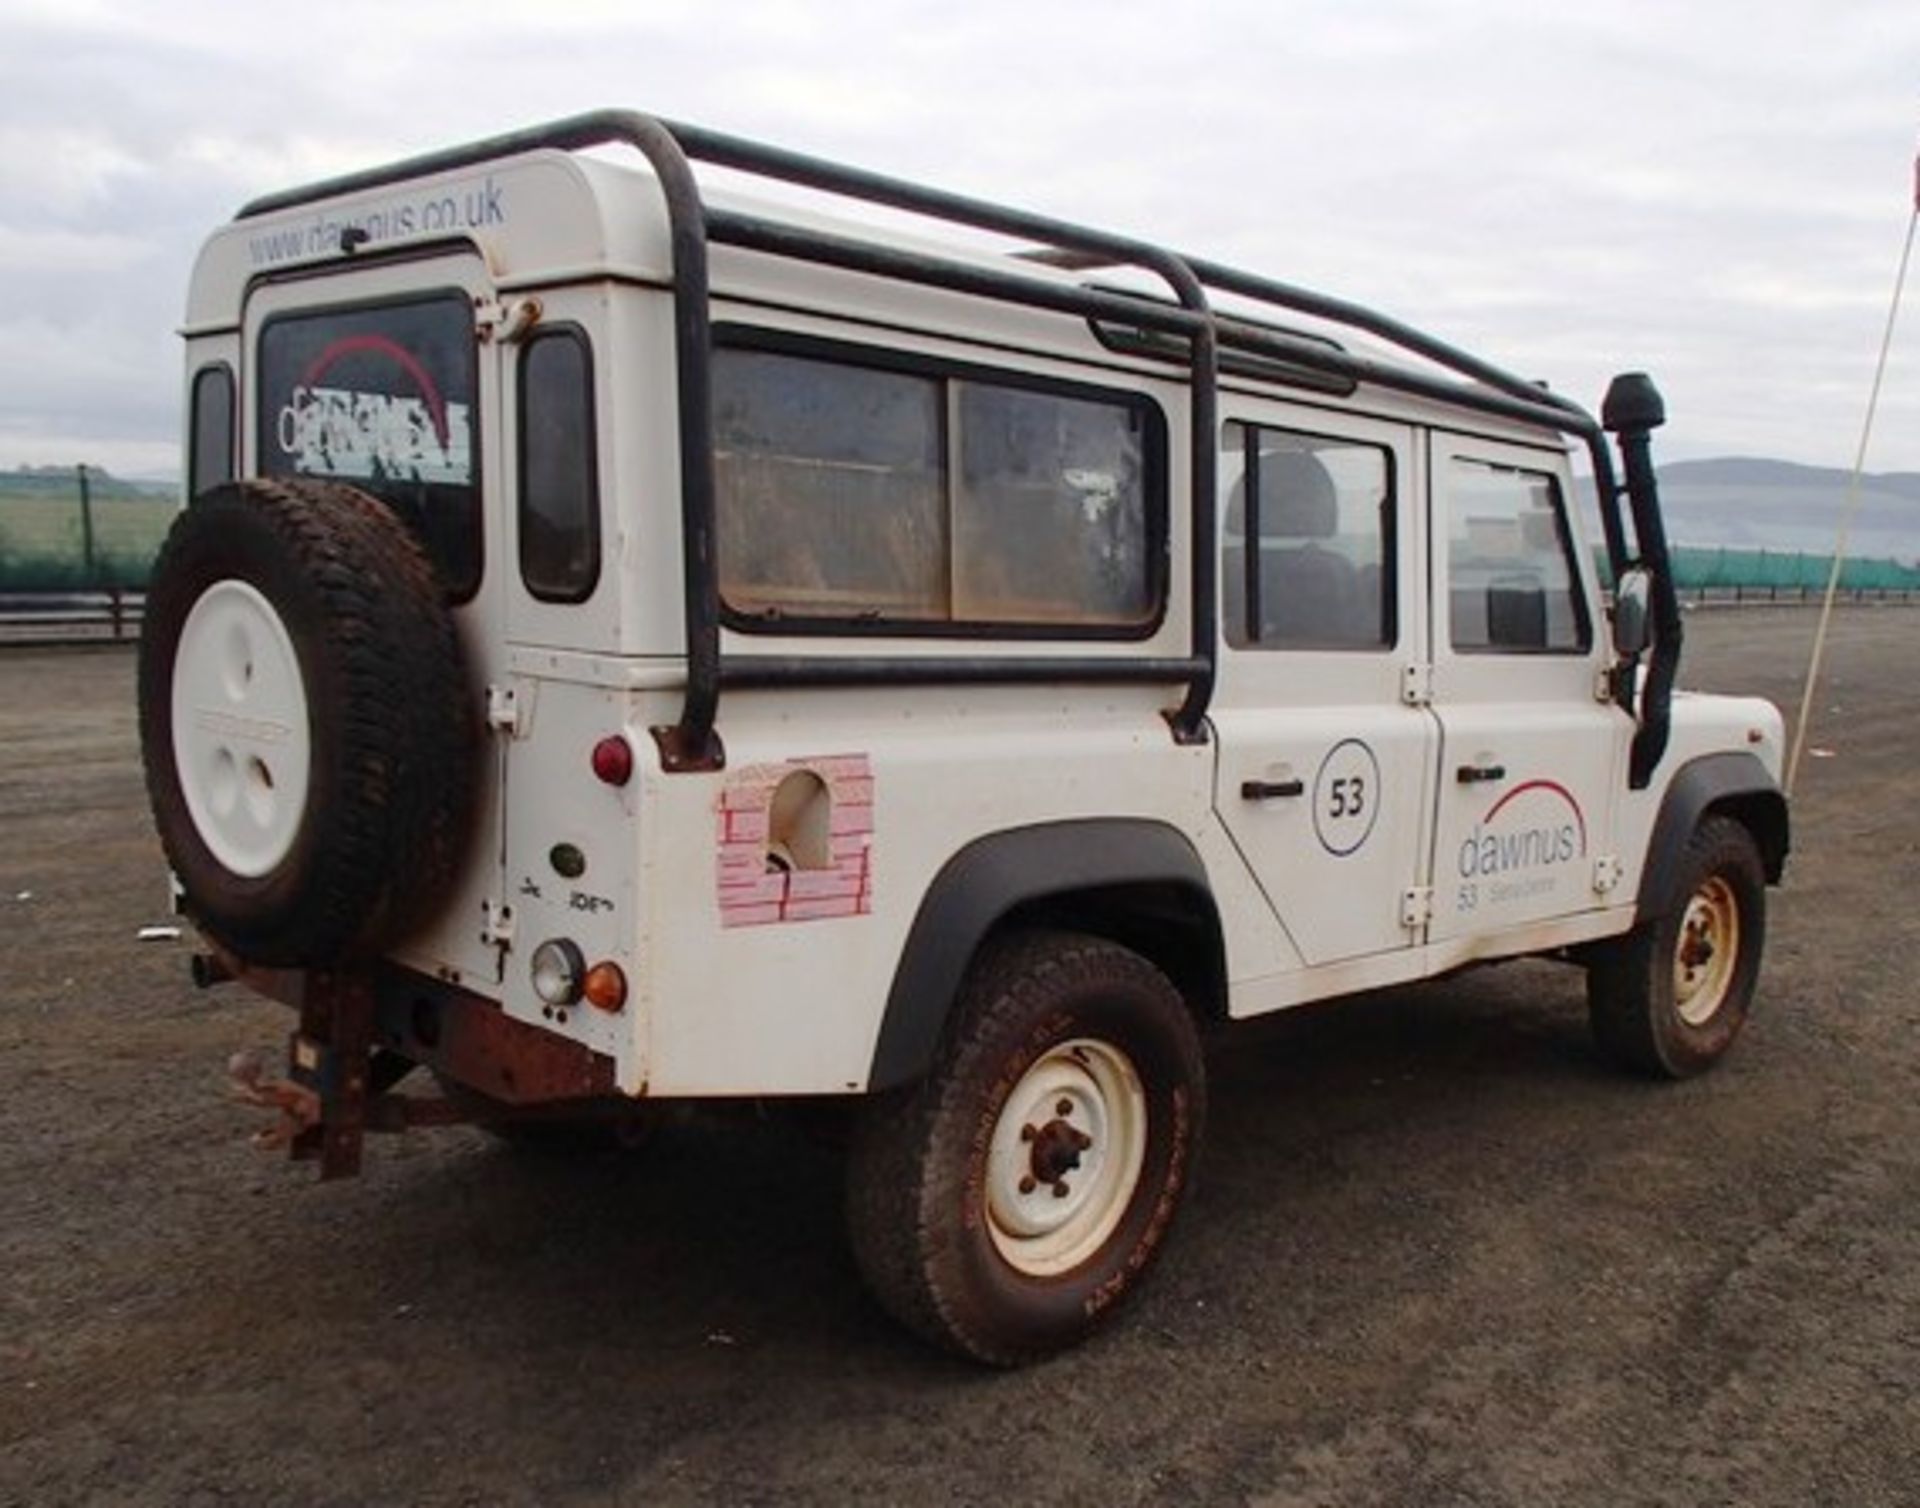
[
  {"x": 50, "y": 541},
  {"x": 1722, "y": 573}
]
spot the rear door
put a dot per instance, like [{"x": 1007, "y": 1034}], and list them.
[
  {"x": 1325, "y": 766},
  {"x": 375, "y": 375},
  {"x": 1531, "y": 749}
]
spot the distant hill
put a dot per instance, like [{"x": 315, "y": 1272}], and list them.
[
  {"x": 64, "y": 482},
  {"x": 1750, "y": 503}
]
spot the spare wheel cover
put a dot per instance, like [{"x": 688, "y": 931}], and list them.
[{"x": 242, "y": 745}]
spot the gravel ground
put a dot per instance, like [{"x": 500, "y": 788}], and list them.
[{"x": 1437, "y": 1254}]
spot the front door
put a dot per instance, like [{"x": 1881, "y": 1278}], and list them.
[
  {"x": 1531, "y": 751},
  {"x": 1325, "y": 765}
]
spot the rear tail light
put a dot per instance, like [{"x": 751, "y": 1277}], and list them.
[{"x": 613, "y": 759}]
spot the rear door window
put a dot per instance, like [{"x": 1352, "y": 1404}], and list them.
[{"x": 382, "y": 396}]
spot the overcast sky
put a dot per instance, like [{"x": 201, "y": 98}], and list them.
[{"x": 1714, "y": 191}]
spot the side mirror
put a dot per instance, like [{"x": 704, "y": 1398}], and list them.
[{"x": 1632, "y": 619}]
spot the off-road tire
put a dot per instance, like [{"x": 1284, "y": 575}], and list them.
[
  {"x": 392, "y": 728},
  {"x": 1658, "y": 1007},
  {"x": 919, "y": 1207}
]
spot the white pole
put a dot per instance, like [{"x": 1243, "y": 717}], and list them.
[{"x": 1853, "y": 500}]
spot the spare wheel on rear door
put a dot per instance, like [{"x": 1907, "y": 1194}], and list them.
[{"x": 306, "y": 722}]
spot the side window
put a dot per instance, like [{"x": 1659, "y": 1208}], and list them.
[
  {"x": 210, "y": 429},
  {"x": 1307, "y": 550},
  {"x": 559, "y": 473},
  {"x": 1511, "y": 581},
  {"x": 382, "y": 396},
  {"x": 868, "y": 498}
]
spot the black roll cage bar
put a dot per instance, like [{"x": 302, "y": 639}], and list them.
[{"x": 671, "y": 148}]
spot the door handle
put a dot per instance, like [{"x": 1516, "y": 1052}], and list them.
[
  {"x": 1474, "y": 774},
  {"x": 1266, "y": 790}
]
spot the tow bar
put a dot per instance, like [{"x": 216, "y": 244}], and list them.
[
  {"x": 337, "y": 1083},
  {"x": 360, "y": 1034}
]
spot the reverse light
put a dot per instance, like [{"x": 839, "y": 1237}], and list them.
[
  {"x": 559, "y": 972},
  {"x": 613, "y": 759},
  {"x": 606, "y": 987}
]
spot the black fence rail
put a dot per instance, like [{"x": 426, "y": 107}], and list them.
[{"x": 107, "y": 616}]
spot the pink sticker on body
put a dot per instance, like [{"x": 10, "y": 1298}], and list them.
[{"x": 806, "y": 865}]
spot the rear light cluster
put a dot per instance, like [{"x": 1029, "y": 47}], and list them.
[
  {"x": 560, "y": 973},
  {"x": 561, "y": 977}
]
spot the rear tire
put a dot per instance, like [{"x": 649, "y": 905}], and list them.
[
  {"x": 306, "y": 723},
  {"x": 1003, "y": 1206},
  {"x": 1669, "y": 999}
]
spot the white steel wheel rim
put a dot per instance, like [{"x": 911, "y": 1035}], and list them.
[
  {"x": 242, "y": 745},
  {"x": 1706, "y": 952},
  {"x": 1066, "y": 1157}
]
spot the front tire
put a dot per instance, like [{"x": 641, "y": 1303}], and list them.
[
  {"x": 1004, "y": 1205},
  {"x": 1669, "y": 999}
]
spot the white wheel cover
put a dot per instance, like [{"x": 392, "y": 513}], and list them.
[
  {"x": 1041, "y": 1228},
  {"x": 242, "y": 748}
]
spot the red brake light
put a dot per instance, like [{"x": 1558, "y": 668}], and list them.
[{"x": 613, "y": 759}]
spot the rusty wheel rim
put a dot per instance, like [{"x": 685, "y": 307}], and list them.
[
  {"x": 1066, "y": 1157},
  {"x": 1706, "y": 952}
]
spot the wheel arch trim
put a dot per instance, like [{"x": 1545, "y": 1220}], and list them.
[
  {"x": 987, "y": 880},
  {"x": 1735, "y": 783}
]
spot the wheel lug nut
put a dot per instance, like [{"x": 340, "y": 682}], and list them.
[
  {"x": 1027, "y": 1133},
  {"x": 1065, "y": 1107},
  {"x": 1026, "y": 1185},
  {"x": 1060, "y": 1189}
]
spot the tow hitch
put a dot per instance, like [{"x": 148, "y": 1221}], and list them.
[
  {"x": 361, "y": 1033},
  {"x": 338, "y": 1080}
]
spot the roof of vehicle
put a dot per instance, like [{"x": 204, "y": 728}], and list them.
[{"x": 538, "y": 210}]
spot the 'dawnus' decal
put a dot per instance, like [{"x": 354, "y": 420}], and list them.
[
  {"x": 1518, "y": 851},
  {"x": 795, "y": 841}
]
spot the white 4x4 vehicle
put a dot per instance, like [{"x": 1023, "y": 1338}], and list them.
[{"x": 631, "y": 645}]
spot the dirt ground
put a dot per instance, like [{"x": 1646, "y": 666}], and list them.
[{"x": 1438, "y": 1253}]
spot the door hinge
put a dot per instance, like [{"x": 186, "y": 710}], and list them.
[
  {"x": 1606, "y": 874},
  {"x": 1603, "y": 685},
  {"x": 1416, "y": 685},
  {"x": 496, "y": 923},
  {"x": 504, "y": 711},
  {"x": 1416, "y": 906},
  {"x": 505, "y": 320}
]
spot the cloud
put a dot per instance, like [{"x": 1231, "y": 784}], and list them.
[{"x": 1699, "y": 190}]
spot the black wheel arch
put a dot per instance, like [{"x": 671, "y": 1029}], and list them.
[
  {"x": 1134, "y": 881},
  {"x": 1733, "y": 784}
]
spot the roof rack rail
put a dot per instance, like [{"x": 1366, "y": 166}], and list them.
[{"x": 1190, "y": 320}]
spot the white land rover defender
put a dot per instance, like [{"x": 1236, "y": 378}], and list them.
[{"x": 629, "y": 644}]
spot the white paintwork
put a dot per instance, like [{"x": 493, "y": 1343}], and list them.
[
  {"x": 241, "y": 740},
  {"x": 1336, "y": 722},
  {"x": 794, "y": 1008}
]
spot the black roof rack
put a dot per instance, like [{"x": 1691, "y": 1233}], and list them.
[{"x": 1188, "y": 321}]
